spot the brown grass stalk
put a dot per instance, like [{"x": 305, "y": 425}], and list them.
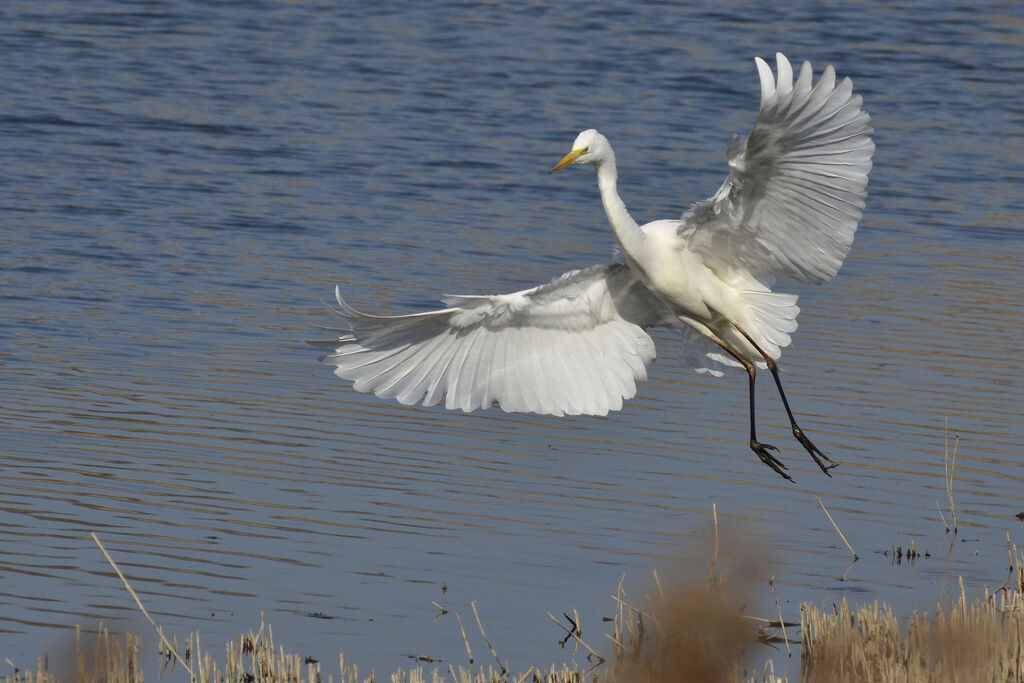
[
  {"x": 159, "y": 631},
  {"x": 950, "y": 471},
  {"x": 836, "y": 527}
]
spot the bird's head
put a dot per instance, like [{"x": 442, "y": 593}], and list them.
[{"x": 590, "y": 147}]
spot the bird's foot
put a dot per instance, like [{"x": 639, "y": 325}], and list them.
[
  {"x": 761, "y": 450},
  {"x": 821, "y": 460}
]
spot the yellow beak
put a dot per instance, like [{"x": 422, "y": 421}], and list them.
[{"x": 568, "y": 159}]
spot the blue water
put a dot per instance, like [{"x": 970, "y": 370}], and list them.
[{"x": 182, "y": 184}]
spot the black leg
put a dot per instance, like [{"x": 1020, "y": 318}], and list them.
[
  {"x": 760, "y": 449},
  {"x": 822, "y": 460}
]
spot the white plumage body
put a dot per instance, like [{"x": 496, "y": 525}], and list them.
[{"x": 790, "y": 206}]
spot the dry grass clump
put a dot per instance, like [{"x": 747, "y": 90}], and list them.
[
  {"x": 694, "y": 633},
  {"x": 978, "y": 641},
  {"x": 693, "y": 630},
  {"x": 112, "y": 658}
]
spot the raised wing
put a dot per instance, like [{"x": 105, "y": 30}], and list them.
[
  {"x": 796, "y": 189},
  {"x": 574, "y": 346}
]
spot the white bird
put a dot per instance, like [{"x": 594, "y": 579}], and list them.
[{"x": 578, "y": 345}]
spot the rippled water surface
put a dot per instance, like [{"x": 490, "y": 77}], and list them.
[{"x": 183, "y": 183}]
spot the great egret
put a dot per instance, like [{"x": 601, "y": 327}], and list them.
[{"x": 578, "y": 345}]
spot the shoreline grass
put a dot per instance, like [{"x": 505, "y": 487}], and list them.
[{"x": 682, "y": 632}]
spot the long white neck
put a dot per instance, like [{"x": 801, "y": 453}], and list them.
[{"x": 627, "y": 231}]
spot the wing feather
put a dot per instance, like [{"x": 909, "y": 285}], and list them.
[
  {"x": 460, "y": 373},
  {"x": 570, "y": 390},
  {"x": 422, "y": 370},
  {"x": 512, "y": 401},
  {"x": 591, "y": 367},
  {"x": 576, "y": 345},
  {"x": 797, "y": 184}
]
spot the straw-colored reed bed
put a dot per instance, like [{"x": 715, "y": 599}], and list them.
[
  {"x": 251, "y": 658},
  {"x": 981, "y": 640},
  {"x": 690, "y": 633}
]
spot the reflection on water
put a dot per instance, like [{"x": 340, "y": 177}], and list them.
[{"x": 177, "y": 198}]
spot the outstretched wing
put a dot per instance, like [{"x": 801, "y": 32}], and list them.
[
  {"x": 796, "y": 189},
  {"x": 574, "y": 346}
]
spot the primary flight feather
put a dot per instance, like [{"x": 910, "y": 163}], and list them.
[{"x": 578, "y": 345}]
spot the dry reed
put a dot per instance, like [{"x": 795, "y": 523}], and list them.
[
  {"x": 698, "y": 633},
  {"x": 836, "y": 527},
  {"x": 950, "y": 472}
]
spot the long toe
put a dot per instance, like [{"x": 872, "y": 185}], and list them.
[
  {"x": 761, "y": 450},
  {"x": 821, "y": 460}
]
